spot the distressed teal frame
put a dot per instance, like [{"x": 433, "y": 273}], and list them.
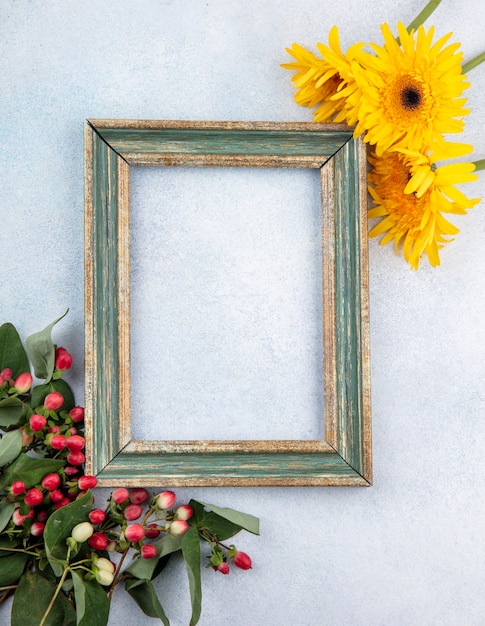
[{"x": 343, "y": 457}]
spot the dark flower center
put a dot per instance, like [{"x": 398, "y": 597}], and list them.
[{"x": 410, "y": 98}]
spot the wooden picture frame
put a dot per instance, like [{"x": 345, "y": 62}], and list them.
[{"x": 343, "y": 457}]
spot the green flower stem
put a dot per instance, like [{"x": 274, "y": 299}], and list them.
[
  {"x": 479, "y": 165},
  {"x": 473, "y": 63},
  {"x": 423, "y": 16}
]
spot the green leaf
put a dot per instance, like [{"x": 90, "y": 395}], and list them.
[
  {"x": 40, "y": 392},
  {"x": 191, "y": 554},
  {"x": 10, "y": 447},
  {"x": 7, "y": 544},
  {"x": 10, "y": 411},
  {"x": 215, "y": 524},
  {"x": 243, "y": 520},
  {"x": 59, "y": 526},
  {"x": 12, "y": 353},
  {"x": 31, "y": 600},
  {"x": 143, "y": 593},
  {"x": 30, "y": 470},
  {"x": 148, "y": 569},
  {"x": 92, "y": 604},
  {"x": 42, "y": 352},
  {"x": 11, "y": 568},
  {"x": 6, "y": 510}
]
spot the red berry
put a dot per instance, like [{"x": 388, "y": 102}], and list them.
[
  {"x": 63, "y": 359},
  {"x": 87, "y": 482},
  {"x": 222, "y": 567},
  {"x": 58, "y": 442},
  {"x": 53, "y": 401},
  {"x": 19, "y": 519},
  {"x": 33, "y": 497},
  {"x": 56, "y": 496},
  {"x": 37, "y": 422},
  {"x": 17, "y": 487},
  {"x": 132, "y": 512},
  {"x": 62, "y": 503},
  {"x": 120, "y": 495},
  {"x": 75, "y": 443},
  {"x": 70, "y": 470},
  {"x": 37, "y": 529},
  {"x": 242, "y": 560},
  {"x": 152, "y": 531},
  {"x": 51, "y": 481},
  {"x": 76, "y": 458},
  {"x": 77, "y": 414},
  {"x": 54, "y": 429},
  {"x": 23, "y": 382},
  {"x": 98, "y": 541},
  {"x": 97, "y": 516},
  {"x": 148, "y": 551},
  {"x": 134, "y": 533},
  {"x": 138, "y": 495},
  {"x": 42, "y": 516}
]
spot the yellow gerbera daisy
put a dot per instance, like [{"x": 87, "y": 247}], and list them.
[
  {"x": 412, "y": 194},
  {"x": 409, "y": 93},
  {"x": 319, "y": 81}
]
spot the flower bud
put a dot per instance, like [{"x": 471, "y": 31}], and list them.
[
  {"x": 63, "y": 360},
  {"x": 165, "y": 499},
  {"x": 37, "y": 422},
  {"x": 98, "y": 541},
  {"x": 75, "y": 443},
  {"x": 53, "y": 401},
  {"x": 6, "y": 373},
  {"x": 148, "y": 551},
  {"x": 134, "y": 533},
  {"x": 138, "y": 495},
  {"x": 82, "y": 532},
  {"x": 37, "y": 529},
  {"x": 51, "y": 481},
  {"x": 178, "y": 527},
  {"x": 23, "y": 382},
  {"x": 104, "y": 577},
  {"x": 33, "y": 497},
  {"x": 17, "y": 487},
  {"x": 87, "y": 482},
  {"x": 76, "y": 458},
  {"x": 77, "y": 414},
  {"x": 132, "y": 512},
  {"x": 184, "y": 512},
  {"x": 97, "y": 516},
  {"x": 120, "y": 495},
  {"x": 242, "y": 560}
]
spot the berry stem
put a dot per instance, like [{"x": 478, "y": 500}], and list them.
[
  {"x": 58, "y": 589},
  {"x": 117, "y": 577}
]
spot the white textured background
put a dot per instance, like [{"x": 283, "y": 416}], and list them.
[{"x": 408, "y": 551}]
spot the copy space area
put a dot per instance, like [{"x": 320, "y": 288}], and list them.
[{"x": 226, "y": 297}]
